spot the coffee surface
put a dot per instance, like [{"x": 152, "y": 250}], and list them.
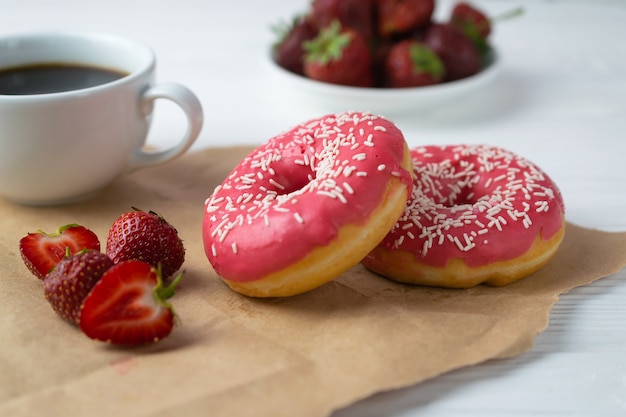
[{"x": 53, "y": 78}]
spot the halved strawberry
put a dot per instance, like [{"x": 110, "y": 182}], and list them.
[
  {"x": 148, "y": 237},
  {"x": 128, "y": 305},
  {"x": 41, "y": 251},
  {"x": 69, "y": 282}
]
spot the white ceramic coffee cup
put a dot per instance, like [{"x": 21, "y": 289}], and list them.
[{"x": 62, "y": 147}]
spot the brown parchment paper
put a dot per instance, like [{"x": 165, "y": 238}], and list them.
[{"x": 235, "y": 356}]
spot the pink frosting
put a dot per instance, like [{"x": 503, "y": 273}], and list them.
[
  {"x": 475, "y": 202},
  {"x": 296, "y": 191}
]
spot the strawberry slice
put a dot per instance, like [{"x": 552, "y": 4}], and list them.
[
  {"x": 128, "y": 305},
  {"x": 42, "y": 251}
]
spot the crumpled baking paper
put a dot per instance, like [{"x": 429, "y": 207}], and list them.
[{"x": 236, "y": 356}]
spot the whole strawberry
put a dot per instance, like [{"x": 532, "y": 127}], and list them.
[
  {"x": 339, "y": 56},
  {"x": 472, "y": 22},
  {"x": 410, "y": 63},
  {"x": 148, "y": 237},
  {"x": 398, "y": 17},
  {"x": 69, "y": 282},
  {"x": 42, "y": 251},
  {"x": 459, "y": 54},
  {"x": 358, "y": 15},
  {"x": 288, "y": 50},
  {"x": 128, "y": 306}
]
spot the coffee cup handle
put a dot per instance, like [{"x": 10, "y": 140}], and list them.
[{"x": 192, "y": 109}]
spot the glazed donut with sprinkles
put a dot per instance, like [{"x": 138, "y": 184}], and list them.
[
  {"x": 308, "y": 204},
  {"x": 477, "y": 214}
]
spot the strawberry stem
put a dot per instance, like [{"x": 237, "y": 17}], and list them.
[
  {"x": 282, "y": 29},
  {"x": 170, "y": 290},
  {"x": 328, "y": 45},
  {"x": 61, "y": 229},
  {"x": 163, "y": 293},
  {"x": 510, "y": 14}
]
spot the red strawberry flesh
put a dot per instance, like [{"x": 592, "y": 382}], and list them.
[
  {"x": 128, "y": 306},
  {"x": 42, "y": 251}
]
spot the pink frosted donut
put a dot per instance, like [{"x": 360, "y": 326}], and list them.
[
  {"x": 308, "y": 204},
  {"x": 477, "y": 214}
]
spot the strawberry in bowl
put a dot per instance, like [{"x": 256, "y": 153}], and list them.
[{"x": 384, "y": 56}]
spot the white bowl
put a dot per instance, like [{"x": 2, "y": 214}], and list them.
[{"x": 385, "y": 101}]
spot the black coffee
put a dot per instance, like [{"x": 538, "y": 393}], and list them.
[{"x": 53, "y": 78}]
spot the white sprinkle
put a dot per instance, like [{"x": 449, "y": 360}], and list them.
[
  {"x": 213, "y": 250},
  {"x": 327, "y": 193},
  {"x": 234, "y": 246},
  {"x": 541, "y": 206},
  {"x": 458, "y": 244},
  {"x": 381, "y": 167},
  {"x": 276, "y": 184},
  {"x": 298, "y": 217},
  {"x": 348, "y": 188}
]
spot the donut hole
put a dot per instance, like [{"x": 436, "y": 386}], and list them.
[
  {"x": 290, "y": 174},
  {"x": 449, "y": 192}
]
